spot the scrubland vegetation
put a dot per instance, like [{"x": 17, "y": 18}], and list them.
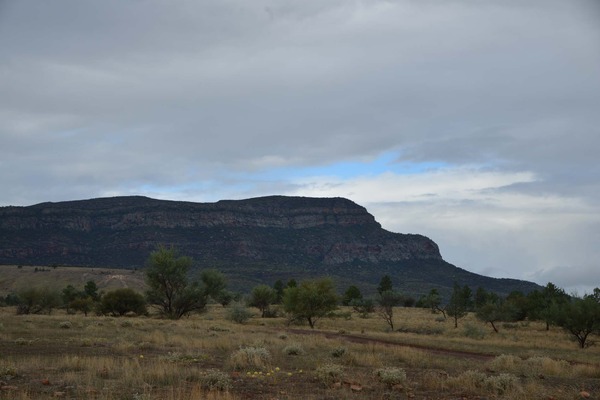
[
  {"x": 209, "y": 356},
  {"x": 192, "y": 339}
]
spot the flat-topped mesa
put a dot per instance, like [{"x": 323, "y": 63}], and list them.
[
  {"x": 274, "y": 230},
  {"x": 136, "y": 212}
]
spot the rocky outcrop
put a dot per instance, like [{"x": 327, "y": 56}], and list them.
[{"x": 121, "y": 231}]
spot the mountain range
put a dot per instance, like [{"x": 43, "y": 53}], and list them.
[{"x": 251, "y": 241}]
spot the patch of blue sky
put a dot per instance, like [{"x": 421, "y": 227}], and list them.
[{"x": 385, "y": 163}]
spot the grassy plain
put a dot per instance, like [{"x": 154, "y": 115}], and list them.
[{"x": 208, "y": 357}]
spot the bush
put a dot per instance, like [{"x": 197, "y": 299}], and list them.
[
  {"x": 474, "y": 332},
  {"x": 239, "y": 314},
  {"x": 328, "y": 374},
  {"x": 214, "y": 379},
  {"x": 122, "y": 301},
  {"x": 65, "y": 325},
  {"x": 391, "y": 376},
  {"x": 37, "y": 300},
  {"x": 338, "y": 352},
  {"x": 294, "y": 349},
  {"x": 250, "y": 358},
  {"x": 477, "y": 381},
  {"x": 501, "y": 383}
]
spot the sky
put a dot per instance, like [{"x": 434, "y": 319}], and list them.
[{"x": 475, "y": 123}]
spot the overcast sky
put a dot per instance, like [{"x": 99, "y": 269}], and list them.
[{"x": 475, "y": 123}]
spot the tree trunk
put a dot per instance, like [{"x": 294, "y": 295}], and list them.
[{"x": 494, "y": 326}]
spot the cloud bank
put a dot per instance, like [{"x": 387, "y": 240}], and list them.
[{"x": 474, "y": 123}]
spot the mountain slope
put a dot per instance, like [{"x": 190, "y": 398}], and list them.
[{"x": 254, "y": 240}]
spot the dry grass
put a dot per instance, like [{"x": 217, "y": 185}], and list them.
[{"x": 207, "y": 356}]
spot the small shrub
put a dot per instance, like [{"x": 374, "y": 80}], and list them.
[
  {"x": 8, "y": 371},
  {"x": 217, "y": 329},
  {"x": 422, "y": 330},
  {"x": 250, "y": 358},
  {"x": 126, "y": 324},
  {"x": 501, "y": 383},
  {"x": 239, "y": 314},
  {"x": 548, "y": 366},
  {"x": 506, "y": 362},
  {"x": 65, "y": 325},
  {"x": 474, "y": 332},
  {"x": 477, "y": 381},
  {"x": 271, "y": 313},
  {"x": 293, "y": 349},
  {"x": 328, "y": 374},
  {"x": 282, "y": 336},
  {"x": 338, "y": 352},
  {"x": 213, "y": 379},
  {"x": 391, "y": 376}
]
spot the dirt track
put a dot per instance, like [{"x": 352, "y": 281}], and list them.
[{"x": 367, "y": 340}]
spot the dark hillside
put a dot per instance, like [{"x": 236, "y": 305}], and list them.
[{"x": 254, "y": 240}]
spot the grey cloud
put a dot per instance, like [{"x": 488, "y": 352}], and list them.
[{"x": 191, "y": 98}]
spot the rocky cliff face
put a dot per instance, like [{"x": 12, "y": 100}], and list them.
[{"x": 121, "y": 231}]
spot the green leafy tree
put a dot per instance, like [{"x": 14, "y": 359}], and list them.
[
  {"x": 38, "y": 300},
  {"x": 541, "y": 305},
  {"x": 261, "y": 297},
  {"x": 91, "y": 290},
  {"x": 122, "y": 301},
  {"x": 351, "y": 294},
  {"x": 496, "y": 310},
  {"x": 579, "y": 317},
  {"x": 433, "y": 301},
  {"x": 225, "y": 297},
  {"x": 363, "y": 306},
  {"x": 83, "y": 304},
  {"x": 311, "y": 300},
  {"x": 69, "y": 295},
  {"x": 385, "y": 285},
  {"x": 460, "y": 302},
  {"x": 170, "y": 289},
  {"x": 279, "y": 287},
  {"x": 214, "y": 283},
  {"x": 387, "y": 301}
]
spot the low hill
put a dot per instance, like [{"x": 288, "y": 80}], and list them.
[
  {"x": 13, "y": 278},
  {"x": 252, "y": 241}
]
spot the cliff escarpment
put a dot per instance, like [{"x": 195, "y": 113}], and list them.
[{"x": 121, "y": 232}]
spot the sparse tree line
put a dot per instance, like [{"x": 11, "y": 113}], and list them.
[{"x": 173, "y": 294}]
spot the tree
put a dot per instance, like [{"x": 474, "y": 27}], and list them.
[
  {"x": 91, "y": 290},
  {"x": 363, "y": 306},
  {"x": 119, "y": 302},
  {"x": 579, "y": 317},
  {"x": 351, "y": 294},
  {"x": 214, "y": 283},
  {"x": 279, "y": 287},
  {"x": 496, "y": 309},
  {"x": 225, "y": 297},
  {"x": 170, "y": 291},
  {"x": 433, "y": 301},
  {"x": 69, "y": 295},
  {"x": 460, "y": 302},
  {"x": 310, "y": 301},
  {"x": 36, "y": 300},
  {"x": 385, "y": 284},
  {"x": 387, "y": 301},
  {"x": 262, "y": 297},
  {"x": 83, "y": 304},
  {"x": 541, "y": 305}
]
